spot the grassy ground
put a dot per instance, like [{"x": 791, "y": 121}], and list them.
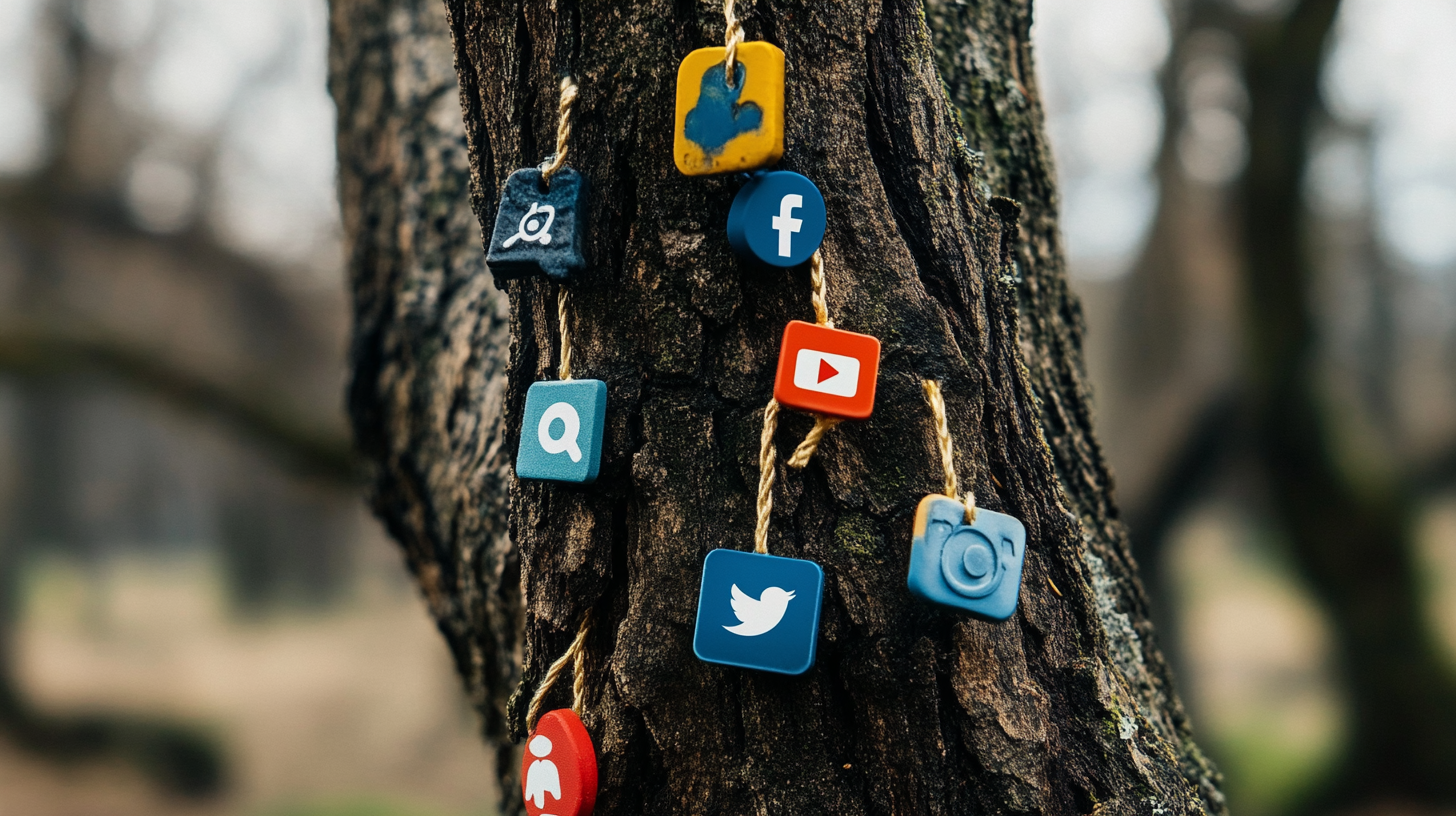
[{"x": 351, "y": 711}]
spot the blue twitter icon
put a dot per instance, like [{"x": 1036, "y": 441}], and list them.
[{"x": 759, "y": 611}]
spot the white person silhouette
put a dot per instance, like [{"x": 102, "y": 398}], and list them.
[{"x": 542, "y": 777}]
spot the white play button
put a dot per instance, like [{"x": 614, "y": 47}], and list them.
[{"x": 826, "y": 373}]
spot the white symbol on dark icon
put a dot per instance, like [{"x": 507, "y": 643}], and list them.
[
  {"x": 759, "y": 616},
  {"x": 787, "y": 224},
  {"x": 531, "y": 228},
  {"x": 542, "y": 777},
  {"x": 570, "y": 429}
]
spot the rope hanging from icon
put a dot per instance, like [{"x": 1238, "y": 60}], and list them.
[
  {"x": 823, "y": 424},
  {"x": 563, "y": 135},
  {"x": 732, "y": 36},
  {"x": 575, "y": 657},
  {"x": 563, "y": 129},
  {"x": 765, "y": 476},
  {"x": 563, "y": 371},
  {"x": 947, "y": 447}
]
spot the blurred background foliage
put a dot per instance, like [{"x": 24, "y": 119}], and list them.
[{"x": 197, "y": 616}]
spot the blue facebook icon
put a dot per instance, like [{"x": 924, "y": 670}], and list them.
[
  {"x": 777, "y": 218},
  {"x": 759, "y": 611},
  {"x": 561, "y": 432}
]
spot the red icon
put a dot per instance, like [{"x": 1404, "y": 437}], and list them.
[
  {"x": 559, "y": 768},
  {"x": 827, "y": 371}
]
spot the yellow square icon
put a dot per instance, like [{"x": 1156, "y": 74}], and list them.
[{"x": 722, "y": 129}]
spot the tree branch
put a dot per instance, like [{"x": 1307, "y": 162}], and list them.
[{"x": 254, "y": 409}]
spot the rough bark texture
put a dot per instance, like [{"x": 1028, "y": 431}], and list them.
[
  {"x": 986, "y": 60},
  {"x": 1066, "y": 708},
  {"x": 430, "y": 334}
]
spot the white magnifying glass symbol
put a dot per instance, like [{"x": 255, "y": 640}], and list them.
[{"x": 566, "y": 443}]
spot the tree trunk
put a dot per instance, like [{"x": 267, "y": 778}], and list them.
[
  {"x": 909, "y": 709},
  {"x": 430, "y": 335},
  {"x": 1352, "y": 533}
]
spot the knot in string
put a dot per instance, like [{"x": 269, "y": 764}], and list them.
[
  {"x": 575, "y": 657},
  {"x": 947, "y": 447},
  {"x": 563, "y": 129}
]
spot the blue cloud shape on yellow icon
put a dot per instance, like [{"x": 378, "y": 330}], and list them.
[{"x": 718, "y": 117}]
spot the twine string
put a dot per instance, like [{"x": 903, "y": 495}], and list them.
[
  {"x": 564, "y": 371},
  {"x": 820, "y": 290},
  {"x": 947, "y": 447},
  {"x": 805, "y": 451},
  {"x": 575, "y": 658},
  {"x": 732, "y": 37},
  {"x": 563, "y": 129},
  {"x": 765, "y": 476},
  {"x": 822, "y": 424}
]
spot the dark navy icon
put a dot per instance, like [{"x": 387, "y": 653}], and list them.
[
  {"x": 561, "y": 432},
  {"x": 539, "y": 229},
  {"x": 759, "y": 611},
  {"x": 975, "y": 567},
  {"x": 777, "y": 218},
  {"x": 719, "y": 116}
]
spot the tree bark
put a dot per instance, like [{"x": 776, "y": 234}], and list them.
[
  {"x": 430, "y": 335},
  {"x": 1065, "y": 708}
]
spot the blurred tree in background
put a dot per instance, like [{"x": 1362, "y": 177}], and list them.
[
  {"x": 1305, "y": 415},
  {"x": 129, "y": 301}
]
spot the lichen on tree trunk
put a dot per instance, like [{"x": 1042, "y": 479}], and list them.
[{"x": 909, "y": 709}]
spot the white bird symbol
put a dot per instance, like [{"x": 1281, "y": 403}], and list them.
[{"x": 759, "y": 616}]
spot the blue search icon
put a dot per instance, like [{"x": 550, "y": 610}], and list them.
[{"x": 561, "y": 432}]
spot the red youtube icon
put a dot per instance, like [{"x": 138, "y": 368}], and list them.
[{"x": 827, "y": 371}]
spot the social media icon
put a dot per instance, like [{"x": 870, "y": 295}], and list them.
[
  {"x": 974, "y": 567},
  {"x": 561, "y": 431},
  {"x": 535, "y": 226},
  {"x": 761, "y": 614},
  {"x": 827, "y": 371},
  {"x": 723, "y": 126},
  {"x": 777, "y": 218},
  {"x": 540, "y": 229},
  {"x": 759, "y": 611},
  {"x": 559, "y": 767}
]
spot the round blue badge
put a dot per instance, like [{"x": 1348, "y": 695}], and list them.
[{"x": 777, "y": 218}]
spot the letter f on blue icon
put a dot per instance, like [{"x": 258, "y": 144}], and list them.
[
  {"x": 777, "y": 218},
  {"x": 561, "y": 431},
  {"x": 786, "y": 224}
]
